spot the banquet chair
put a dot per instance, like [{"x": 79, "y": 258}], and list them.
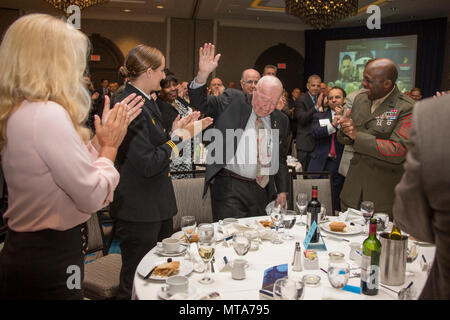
[
  {"x": 101, "y": 276},
  {"x": 325, "y": 189},
  {"x": 188, "y": 193}
]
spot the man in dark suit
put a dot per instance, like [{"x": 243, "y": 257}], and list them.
[
  {"x": 328, "y": 151},
  {"x": 246, "y": 162},
  {"x": 305, "y": 107}
]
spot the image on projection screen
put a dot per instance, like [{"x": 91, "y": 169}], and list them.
[{"x": 345, "y": 60}]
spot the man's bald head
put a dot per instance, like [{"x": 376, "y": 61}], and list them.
[
  {"x": 380, "y": 76},
  {"x": 249, "y": 79},
  {"x": 267, "y": 95}
]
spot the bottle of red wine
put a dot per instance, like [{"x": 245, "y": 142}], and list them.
[
  {"x": 313, "y": 212},
  {"x": 370, "y": 262}
]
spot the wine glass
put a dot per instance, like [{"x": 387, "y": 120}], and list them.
[
  {"x": 206, "y": 248},
  {"x": 188, "y": 224},
  {"x": 289, "y": 218},
  {"x": 367, "y": 209},
  {"x": 289, "y": 289},
  {"x": 302, "y": 203},
  {"x": 241, "y": 243},
  {"x": 277, "y": 219}
]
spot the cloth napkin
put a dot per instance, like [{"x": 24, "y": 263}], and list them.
[
  {"x": 339, "y": 294},
  {"x": 264, "y": 234},
  {"x": 199, "y": 265}
]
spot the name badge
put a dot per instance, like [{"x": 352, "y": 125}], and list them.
[{"x": 324, "y": 122}]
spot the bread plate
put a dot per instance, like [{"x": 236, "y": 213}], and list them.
[
  {"x": 348, "y": 230},
  {"x": 147, "y": 264}
]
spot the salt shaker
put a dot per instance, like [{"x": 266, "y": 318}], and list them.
[{"x": 297, "y": 263}]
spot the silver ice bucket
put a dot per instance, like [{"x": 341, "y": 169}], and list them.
[{"x": 393, "y": 260}]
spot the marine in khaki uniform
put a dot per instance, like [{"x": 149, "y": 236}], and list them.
[{"x": 377, "y": 127}]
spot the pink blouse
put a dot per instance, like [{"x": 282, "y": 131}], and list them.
[{"x": 54, "y": 180}]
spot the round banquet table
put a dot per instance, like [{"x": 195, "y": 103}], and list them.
[{"x": 269, "y": 255}]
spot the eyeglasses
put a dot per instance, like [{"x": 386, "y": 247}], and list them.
[{"x": 255, "y": 82}]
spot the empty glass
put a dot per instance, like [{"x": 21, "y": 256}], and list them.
[
  {"x": 289, "y": 218},
  {"x": 302, "y": 203},
  {"x": 277, "y": 219},
  {"x": 338, "y": 270},
  {"x": 367, "y": 209},
  {"x": 289, "y": 289},
  {"x": 206, "y": 248},
  {"x": 188, "y": 224}
]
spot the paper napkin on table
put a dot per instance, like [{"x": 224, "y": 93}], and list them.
[{"x": 264, "y": 234}]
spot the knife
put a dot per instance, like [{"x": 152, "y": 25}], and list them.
[
  {"x": 154, "y": 268},
  {"x": 150, "y": 273}
]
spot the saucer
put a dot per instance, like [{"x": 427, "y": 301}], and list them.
[
  {"x": 180, "y": 296},
  {"x": 162, "y": 252}
]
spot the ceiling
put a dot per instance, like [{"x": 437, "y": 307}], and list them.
[{"x": 246, "y": 13}]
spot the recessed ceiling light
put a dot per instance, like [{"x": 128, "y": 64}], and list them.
[
  {"x": 160, "y": 7},
  {"x": 127, "y": 10}
]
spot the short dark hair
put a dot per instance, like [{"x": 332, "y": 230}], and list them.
[
  {"x": 346, "y": 57},
  {"x": 169, "y": 78},
  {"x": 339, "y": 88}
]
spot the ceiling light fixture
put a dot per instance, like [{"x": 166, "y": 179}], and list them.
[
  {"x": 321, "y": 13},
  {"x": 82, "y": 4}
]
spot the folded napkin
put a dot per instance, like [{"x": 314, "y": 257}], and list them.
[{"x": 199, "y": 265}]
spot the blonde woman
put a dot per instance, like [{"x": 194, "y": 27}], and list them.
[{"x": 57, "y": 176}]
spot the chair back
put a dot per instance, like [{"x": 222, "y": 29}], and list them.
[
  {"x": 324, "y": 185},
  {"x": 188, "y": 193},
  {"x": 95, "y": 235}
]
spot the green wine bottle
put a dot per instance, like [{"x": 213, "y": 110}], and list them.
[{"x": 370, "y": 262}]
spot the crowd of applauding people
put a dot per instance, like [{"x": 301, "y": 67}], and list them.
[{"x": 65, "y": 145}]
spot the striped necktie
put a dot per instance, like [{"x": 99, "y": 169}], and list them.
[{"x": 262, "y": 167}]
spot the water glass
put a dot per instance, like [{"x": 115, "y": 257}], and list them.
[
  {"x": 289, "y": 218},
  {"x": 302, "y": 204},
  {"x": 188, "y": 224},
  {"x": 254, "y": 238},
  {"x": 289, "y": 289},
  {"x": 277, "y": 219},
  {"x": 241, "y": 243},
  {"x": 367, "y": 209},
  {"x": 338, "y": 270}
]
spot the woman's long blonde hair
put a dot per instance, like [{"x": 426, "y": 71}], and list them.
[{"x": 42, "y": 58}]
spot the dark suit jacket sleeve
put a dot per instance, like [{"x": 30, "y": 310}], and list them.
[
  {"x": 148, "y": 159},
  {"x": 317, "y": 131},
  {"x": 282, "y": 177},
  {"x": 211, "y": 106},
  {"x": 411, "y": 210},
  {"x": 303, "y": 115}
]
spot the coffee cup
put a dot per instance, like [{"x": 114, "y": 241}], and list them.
[
  {"x": 177, "y": 284},
  {"x": 171, "y": 245},
  {"x": 238, "y": 269}
]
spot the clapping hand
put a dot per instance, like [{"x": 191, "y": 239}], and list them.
[
  {"x": 337, "y": 116},
  {"x": 347, "y": 125},
  {"x": 189, "y": 126},
  {"x": 207, "y": 62},
  {"x": 132, "y": 105}
]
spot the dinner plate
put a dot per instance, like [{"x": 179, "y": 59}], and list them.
[
  {"x": 180, "y": 296},
  {"x": 161, "y": 252},
  {"x": 180, "y": 235},
  {"x": 348, "y": 230},
  {"x": 147, "y": 264}
]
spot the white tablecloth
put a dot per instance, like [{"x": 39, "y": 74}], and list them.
[{"x": 270, "y": 255}]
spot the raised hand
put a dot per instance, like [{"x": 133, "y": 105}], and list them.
[
  {"x": 207, "y": 62},
  {"x": 193, "y": 128}
]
